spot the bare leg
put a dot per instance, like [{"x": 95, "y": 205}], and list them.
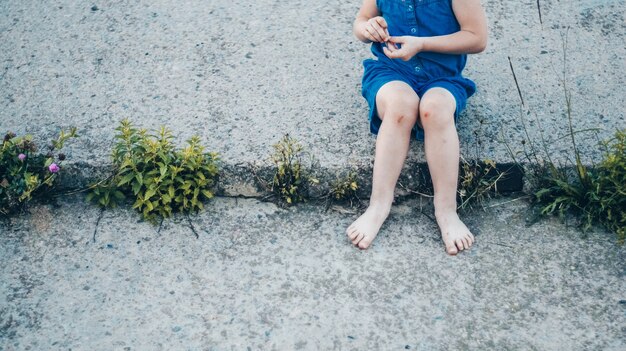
[
  {"x": 397, "y": 105},
  {"x": 441, "y": 144}
]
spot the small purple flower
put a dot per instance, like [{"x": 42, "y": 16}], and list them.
[
  {"x": 54, "y": 168},
  {"x": 22, "y": 157}
]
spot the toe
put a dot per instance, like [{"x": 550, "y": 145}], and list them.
[
  {"x": 470, "y": 240},
  {"x": 451, "y": 249},
  {"x": 364, "y": 243},
  {"x": 352, "y": 235},
  {"x": 471, "y": 237},
  {"x": 459, "y": 244},
  {"x": 358, "y": 238},
  {"x": 467, "y": 242}
]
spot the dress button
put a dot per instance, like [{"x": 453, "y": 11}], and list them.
[
  {"x": 413, "y": 30},
  {"x": 417, "y": 68}
]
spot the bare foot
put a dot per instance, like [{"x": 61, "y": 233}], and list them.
[
  {"x": 454, "y": 233},
  {"x": 363, "y": 231}
]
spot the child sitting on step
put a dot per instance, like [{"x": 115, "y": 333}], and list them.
[{"x": 415, "y": 88}]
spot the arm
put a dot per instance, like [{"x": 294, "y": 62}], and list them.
[
  {"x": 368, "y": 25},
  {"x": 470, "y": 39}
]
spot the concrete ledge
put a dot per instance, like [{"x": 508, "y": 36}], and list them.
[
  {"x": 241, "y": 74},
  {"x": 247, "y": 179}
]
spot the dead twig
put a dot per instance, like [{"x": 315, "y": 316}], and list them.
[
  {"x": 519, "y": 91},
  {"x": 509, "y": 201}
]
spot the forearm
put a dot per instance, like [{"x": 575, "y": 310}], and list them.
[
  {"x": 461, "y": 42},
  {"x": 359, "y": 22}
]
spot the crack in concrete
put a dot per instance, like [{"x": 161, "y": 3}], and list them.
[
  {"x": 193, "y": 229},
  {"x": 499, "y": 244}
]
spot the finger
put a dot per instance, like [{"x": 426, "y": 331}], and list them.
[
  {"x": 381, "y": 31},
  {"x": 391, "y": 54},
  {"x": 388, "y": 46},
  {"x": 399, "y": 40},
  {"x": 381, "y": 26},
  {"x": 369, "y": 36},
  {"x": 381, "y": 21},
  {"x": 387, "y": 52},
  {"x": 399, "y": 53},
  {"x": 391, "y": 46},
  {"x": 370, "y": 29}
]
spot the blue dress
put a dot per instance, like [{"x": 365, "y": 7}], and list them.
[{"x": 423, "y": 18}]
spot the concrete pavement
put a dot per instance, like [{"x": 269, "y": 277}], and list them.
[{"x": 263, "y": 278}]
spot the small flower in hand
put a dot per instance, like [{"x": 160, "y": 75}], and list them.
[
  {"x": 22, "y": 157},
  {"x": 54, "y": 168}
]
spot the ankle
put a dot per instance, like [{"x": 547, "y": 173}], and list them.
[
  {"x": 381, "y": 210},
  {"x": 444, "y": 207},
  {"x": 445, "y": 212}
]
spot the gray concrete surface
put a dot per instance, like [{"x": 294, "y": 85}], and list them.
[
  {"x": 242, "y": 73},
  {"x": 263, "y": 278}
]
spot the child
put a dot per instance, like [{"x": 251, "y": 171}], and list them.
[{"x": 416, "y": 86}]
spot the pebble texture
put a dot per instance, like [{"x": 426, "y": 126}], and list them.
[
  {"x": 258, "y": 277},
  {"x": 242, "y": 73}
]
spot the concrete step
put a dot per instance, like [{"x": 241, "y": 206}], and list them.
[{"x": 241, "y": 74}]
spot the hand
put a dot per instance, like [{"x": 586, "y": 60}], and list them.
[
  {"x": 409, "y": 47},
  {"x": 375, "y": 29}
]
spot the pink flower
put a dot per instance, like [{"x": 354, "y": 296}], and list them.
[
  {"x": 54, "y": 168},
  {"x": 22, "y": 157}
]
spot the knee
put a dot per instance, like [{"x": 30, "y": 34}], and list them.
[
  {"x": 401, "y": 110},
  {"x": 436, "y": 112}
]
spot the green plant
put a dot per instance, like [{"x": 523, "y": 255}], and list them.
[
  {"x": 25, "y": 174},
  {"x": 477, "y": 181},
  {"x": 344, "y": 189},
  {"x": 595, "y": 195},
  {"x": 291, "y": 180},
  {"x": 159, "y": 178},
  {"x": 611, "y": 185}
]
